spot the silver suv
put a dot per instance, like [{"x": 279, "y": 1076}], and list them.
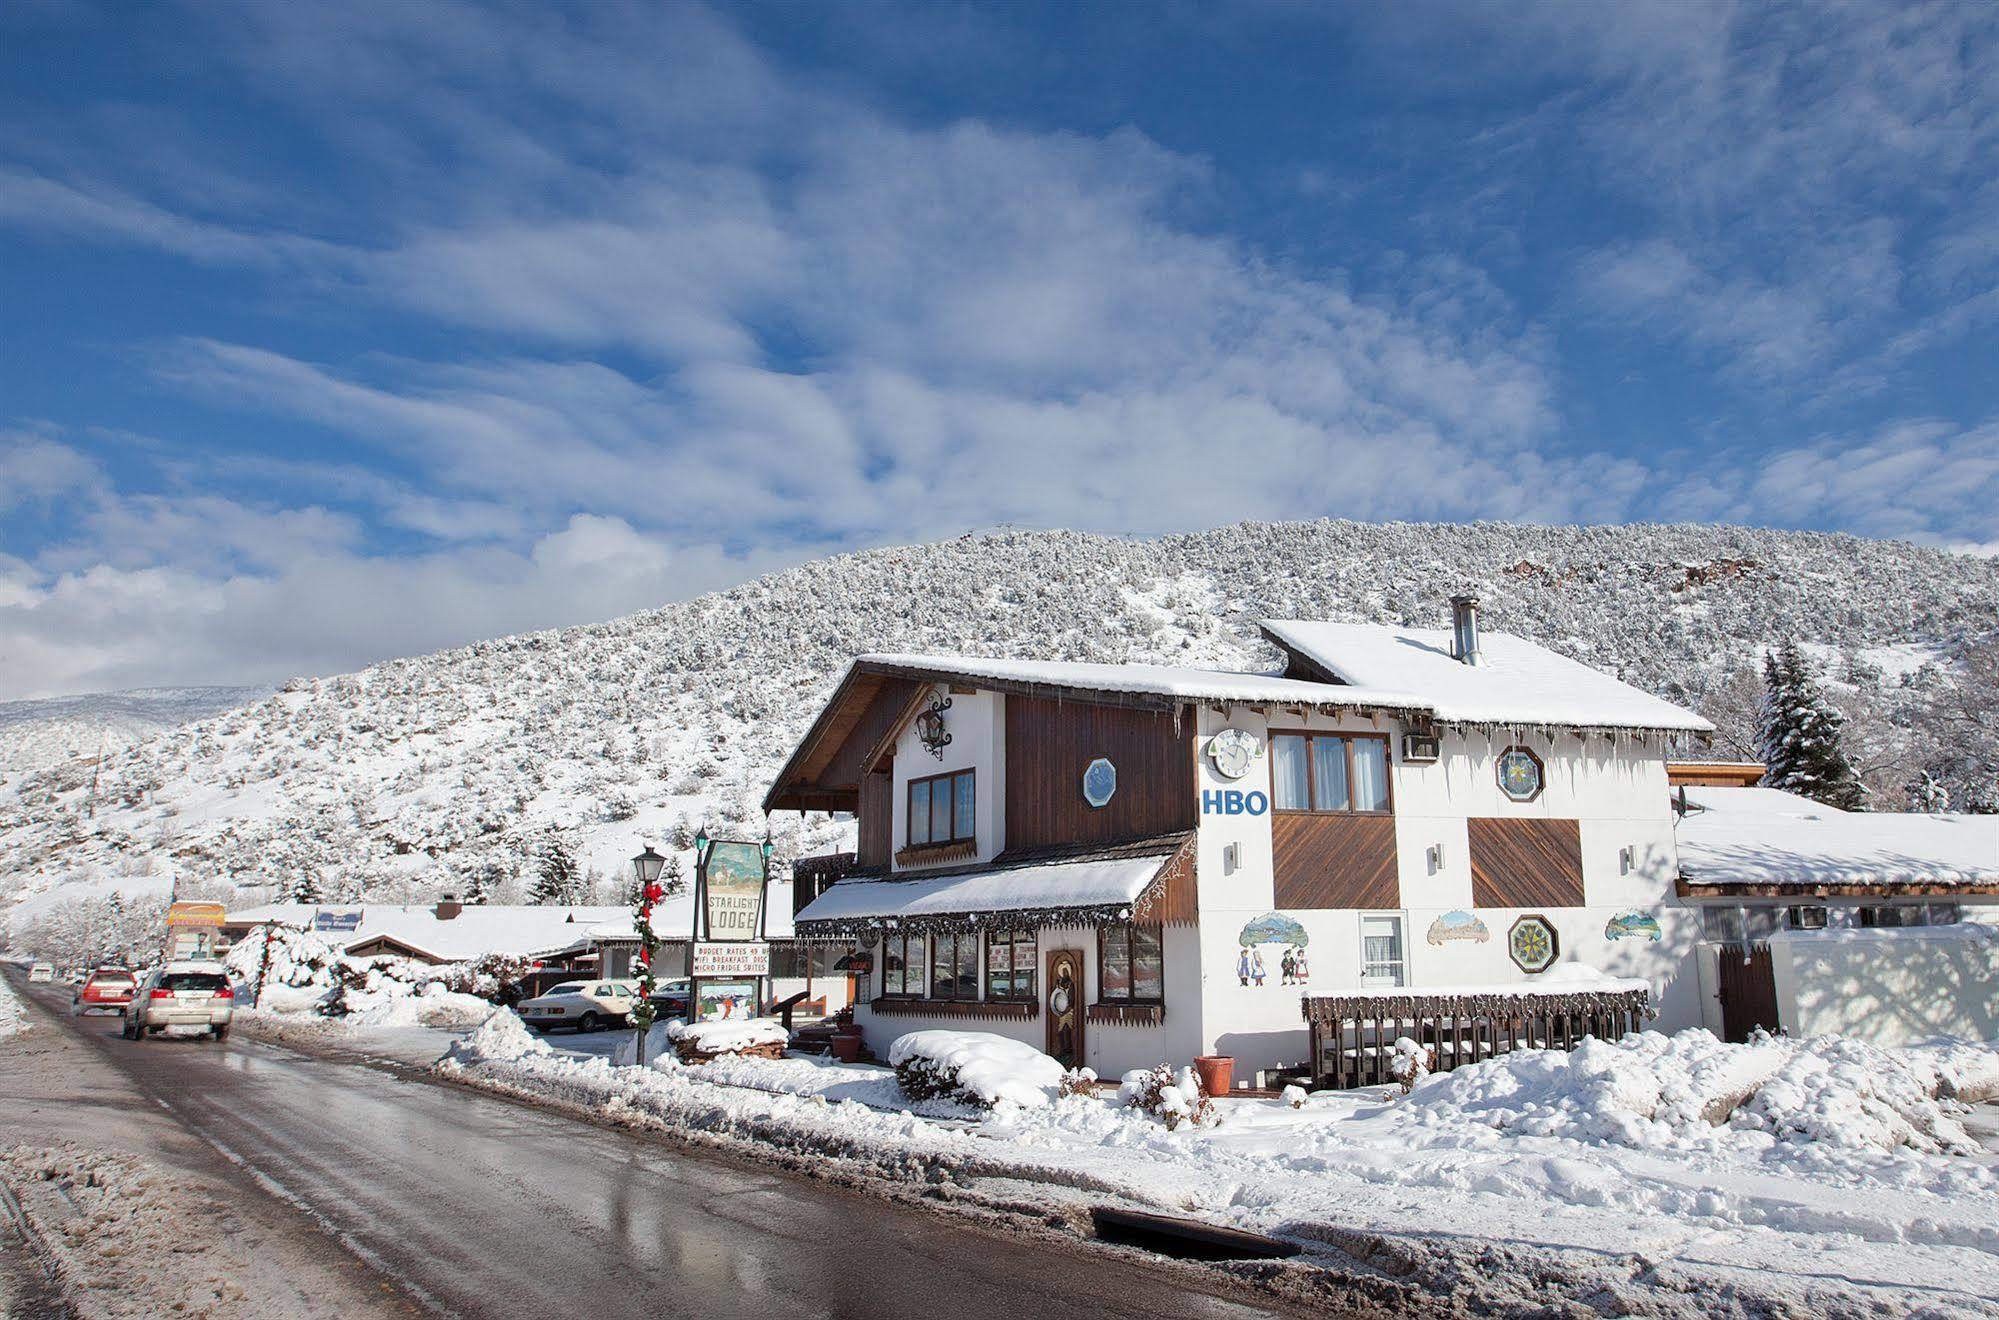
[{"x": 182, "y": 994}]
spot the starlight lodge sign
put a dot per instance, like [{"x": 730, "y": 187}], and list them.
[
  {"x": 728, "y": 960},
  {"x": 733, "y": 891}
]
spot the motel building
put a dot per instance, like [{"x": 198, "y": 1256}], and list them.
[{"x": 1450, "y": 833}]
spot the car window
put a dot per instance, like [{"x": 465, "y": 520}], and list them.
[
  {"x": 569, "y": 988},
  {"x": 192, "y": 981}
]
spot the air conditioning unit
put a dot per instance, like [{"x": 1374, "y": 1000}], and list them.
[{"x": 1420, "y": 746}]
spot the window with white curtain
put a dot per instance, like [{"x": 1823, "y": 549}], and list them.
[{"x": 1382, "y": 962}]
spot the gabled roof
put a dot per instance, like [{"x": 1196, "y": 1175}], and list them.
[
  {"x": 477, "y": 930},
  {"x": 1515, "y": 681}
]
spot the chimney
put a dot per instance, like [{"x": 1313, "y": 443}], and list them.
[
  {"x": 1464, "y": 629},
  {"x": 449, "y": 907}
]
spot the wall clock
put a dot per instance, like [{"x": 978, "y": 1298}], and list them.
[{"x": 1233, "y": 752}]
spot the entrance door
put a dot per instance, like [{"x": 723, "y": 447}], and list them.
[
  {"x": 1064, "y": 1015},
  {"x": 1748, "y": 990}
]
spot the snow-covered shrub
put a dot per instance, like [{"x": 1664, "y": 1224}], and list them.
[
  {"x": 1294, "y": 1096},
  {"x": 1079, "y": 1081},
  {"x": 974, "y": 1067},
  {"x": 1410, "y": 1064},
  {"x": 1172, "y": 1098},
  {"x": 502, "y": 1038}
]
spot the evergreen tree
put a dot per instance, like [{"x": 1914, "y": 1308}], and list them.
[
  {"x": 557, "y": 877},
  {"x": 1800, "y": 734},
  {"x": 1926, "y": 793}
]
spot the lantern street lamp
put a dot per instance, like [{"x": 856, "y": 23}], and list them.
[
  {"x": 646, "y": 866},
  {"x": 767, "y": 846},
  {"x": 700, "y": 845}
]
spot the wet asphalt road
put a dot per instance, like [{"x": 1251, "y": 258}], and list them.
[{"x": 475, "y": 1206}]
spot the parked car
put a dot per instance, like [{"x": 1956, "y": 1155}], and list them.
[
  {"x": 106, "y": 988},
  {"x": 182, "y": 994},
  {"x": 670, "y": 999},
  {"x": 41, "y": 974},
  {"x": 584, "y": 1005}
]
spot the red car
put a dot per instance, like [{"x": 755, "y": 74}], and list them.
[{"x": 105, "y": 988}]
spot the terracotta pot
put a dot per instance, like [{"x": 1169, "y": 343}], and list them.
[
  {"x": 847, "y": 1049},
  {"x": 1216, "y": 1071}
]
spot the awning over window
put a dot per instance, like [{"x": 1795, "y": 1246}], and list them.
[{"x": 1084, "y": 892}]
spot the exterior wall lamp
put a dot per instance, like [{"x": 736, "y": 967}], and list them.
[{"x": 930, "y": 729}]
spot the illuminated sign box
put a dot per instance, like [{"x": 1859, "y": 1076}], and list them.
[{"x": 734, "y": 958}]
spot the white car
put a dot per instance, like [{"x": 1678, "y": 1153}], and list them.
[
  {"x": 192, "y": 994},
  {"x": 584, "y": 1005},
  {"x": 41, "y": 974}
]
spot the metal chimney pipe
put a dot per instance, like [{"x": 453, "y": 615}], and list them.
[{"x": 1464, "y": 629}]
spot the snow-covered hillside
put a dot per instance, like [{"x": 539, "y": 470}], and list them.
[
  {"x": 458, "y": 771},
  {"x": 37, "y": 734}
]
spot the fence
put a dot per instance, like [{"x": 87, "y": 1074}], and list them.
[{"x": 1354, "y": 1035}]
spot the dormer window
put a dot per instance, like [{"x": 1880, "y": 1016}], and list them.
[{"x": 941, "y": 810}]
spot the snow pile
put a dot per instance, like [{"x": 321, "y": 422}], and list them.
[
  {"x": 974, "y": 1066},
  {"x": 1173, "y": 1098},
  {"x": 1650, "y": 1090},
  {"x": 730, "y": 1037},
  {"x": 399, "y": 1004},
  {"x": 659, "y": 1045},
  {"x": 501, "y": 1038},
  {"x": 13, "y": 1013}
]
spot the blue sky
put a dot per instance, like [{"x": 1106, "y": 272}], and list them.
[{"x": 339, "y": 331}]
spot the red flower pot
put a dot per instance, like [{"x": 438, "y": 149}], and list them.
[
  {"x": 847, "y": 1049},
  {"x": 1216, "y": 1071}
]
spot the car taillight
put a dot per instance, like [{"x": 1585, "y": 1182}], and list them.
[
  {"x": 163, "y": 994},
  {"x": 225, "y": 993}
]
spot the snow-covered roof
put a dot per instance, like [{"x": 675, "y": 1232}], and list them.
[
  {"x": 1763, "y": 837},
  {"x": 1515, "y": 681},
  {"x": 1148, "y": 680},
  {"x": 477, "y": 930},
  {"x": 1051, "y": 887}
]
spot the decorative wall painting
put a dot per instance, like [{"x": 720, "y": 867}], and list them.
[
  {"x": 1633, "y": 925},
  {"x": 1533, "y": 944},
  {"x": 1457, "y": 925},
  {"x": 1293, "y": 966},
  {"x": 1099, "y": 782}
]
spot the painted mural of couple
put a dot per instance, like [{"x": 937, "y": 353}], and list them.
[{"x": 1292, "y": 968}]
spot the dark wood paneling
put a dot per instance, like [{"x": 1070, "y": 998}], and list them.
[
  {"x": 1334, "y": 860},
  {"x": 876, "y": 818},
  {"x": 1748, "y": 991},
  {"x": 1526, "y": 863},
  {"x": 1048, "y": 745},
  {"x": 883, "y": 716},
  {"x": 1170, "y": 899}
]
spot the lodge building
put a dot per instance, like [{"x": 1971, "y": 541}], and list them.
[{"x": 1129, "y": 864}]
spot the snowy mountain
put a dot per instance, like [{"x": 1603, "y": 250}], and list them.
[
  {"x": 468, "y": 769},
  {"x": 37, "y": 734}
]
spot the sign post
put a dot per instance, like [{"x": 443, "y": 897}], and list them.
[{"x": 728, "y": 961}]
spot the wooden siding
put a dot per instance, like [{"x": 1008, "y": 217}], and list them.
[
  {"x": 876, "y": 818},
  {"x": 1170, "y": 899},
  {"x": 1334, "y": 860},
  {"x": 1526, "y": 863},
  {"x": 1050, "y": 743}
]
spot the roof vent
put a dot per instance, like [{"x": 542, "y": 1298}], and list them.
[
  {"x": 1464, "y": 629},
  {"x": 448, "y": 907}
]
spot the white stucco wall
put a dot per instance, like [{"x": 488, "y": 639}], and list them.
[
  {"x": 977, "y": 725},
  {"x": 1890, "y": 987}
]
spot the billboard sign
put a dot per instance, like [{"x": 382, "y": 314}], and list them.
[
  {"x": 734, "y": 891},
  {"x": 732, "y": 958},
  {"x": 326, "y": 919}
]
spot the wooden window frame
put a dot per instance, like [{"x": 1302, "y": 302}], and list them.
[
  {"x": 902, "y": 938},
  {"x": 1130, "y": 998},
  {"x": 1009, "y": 939},
  {"x": 1540, "y": 774},
  {"x": 937, "y": 941},
  {"x": 1401, "y": 920},
  {"x": 909, "y": 811},
  {"x": 1312, "y": 772}
]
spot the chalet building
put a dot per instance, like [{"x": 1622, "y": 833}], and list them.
[{"x": 1130, "y": 864}]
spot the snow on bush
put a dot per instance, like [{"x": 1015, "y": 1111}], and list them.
[
  {"x": 1294, "y": 1096},
  {"x": 729, "y": 1037},
  {"x": 297, "y": 957},
  {"x": 1078, "y": 1081},
  {"x": 1410, "y": 1064},
  {"x": 976, "y": 1067},
  {"x": 13, "y": 1014},
  {"x": 1655, "y": 1090},
  {"x": 501, "y": 1038},
  {"x": 1173, "y": 1099},
  {"x": 381, "y": 991}
]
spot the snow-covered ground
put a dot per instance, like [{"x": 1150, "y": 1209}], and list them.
[
  {"x": 13, "y": 1014},
  {"x": 1836, "y": 1183}
]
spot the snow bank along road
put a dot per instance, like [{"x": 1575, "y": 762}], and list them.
[{"x": 472, "y": 1205}]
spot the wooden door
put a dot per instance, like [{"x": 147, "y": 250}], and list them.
[
  {"x": 1748, "y": 991},
  {"x": 1063, "y": 998}
]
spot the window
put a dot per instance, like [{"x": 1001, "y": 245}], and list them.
[
  {"x": 1807, "y": 918},
  {"x": 1381, "y": 959},
  {"x": 903, "y": 966},
  {"x": 1131, "y": 966},
  {"x": 940, "y": 809},
  {"x": 1329, "y": 772},
  {"x": 1740, "y": 925},
  {"x": 954, "y": 966},
  {"x": 1010, "y": 957},
  {"x": 1520, "y": 775},
  {"x": 1910, "y": 914}
]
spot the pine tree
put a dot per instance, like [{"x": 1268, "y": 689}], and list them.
[
  {"x": 1800, "y": 734},
  {"x": 1928, "y": 794},
  {"x": 557, "y": 877}
]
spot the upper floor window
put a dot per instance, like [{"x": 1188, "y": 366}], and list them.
[
  {"x": 1329, "y": 772},
  {"x": 940, "y": 809}
]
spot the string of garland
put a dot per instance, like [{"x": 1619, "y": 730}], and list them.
[
  {"x": 1099, "y": 914},
  {"x": 643, "y": 1011}
]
